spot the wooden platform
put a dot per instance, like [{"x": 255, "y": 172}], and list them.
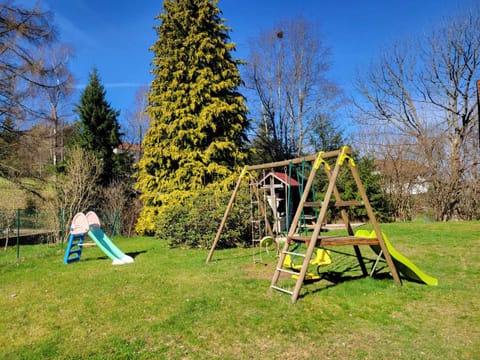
[{"x": 334, "y": 240}]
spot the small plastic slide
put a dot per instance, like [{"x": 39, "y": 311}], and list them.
[
  {"x": 403, "y": 264},
  {"x": 90, "y": 224},
  {"x": 101, "y": 239},
  {"x": 108, "y": 247}
]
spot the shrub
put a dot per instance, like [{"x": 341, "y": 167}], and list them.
[{"x": 193, "y": 222}]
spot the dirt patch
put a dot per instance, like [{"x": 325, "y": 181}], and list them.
[{"x": 259, "y": 270}]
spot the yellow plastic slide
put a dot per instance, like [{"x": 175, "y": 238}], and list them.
[{"x": 403, "y": 264}]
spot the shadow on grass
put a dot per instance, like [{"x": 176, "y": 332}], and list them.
[
  {"x": 348, "y": 270},
  {"x": 134, "y": 254}
]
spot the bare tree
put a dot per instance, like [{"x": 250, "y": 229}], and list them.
[
  {"x": 57, "y": 89},
  {"x": 287, "y": 71},
  {"x": 137, "y": 119},
  {"x": 34, "y": 78},
  {"x": 76, "y": 190},
  {"x": 403, "y": 179},
  {"x": 423, "y": 93},
  {"x": 21, "y": 31},
  {"x": 120, "y": 200}
]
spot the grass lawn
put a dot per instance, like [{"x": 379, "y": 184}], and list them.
[
  {"x": 170, "y": 305},
  {"x": 12, "y": 196}
]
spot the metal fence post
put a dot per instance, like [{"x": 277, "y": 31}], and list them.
[
  {"x": 61, "y": 217},
  {"x": 17, "y": 220}
]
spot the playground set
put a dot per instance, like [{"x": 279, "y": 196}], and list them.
[
  {"x": 90, "y": 225},
  {"x": 299, "y": 220}
]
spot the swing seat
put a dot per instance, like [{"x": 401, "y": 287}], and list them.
[
  {"x": 308, "y": 277},
  {"x": 322, "y": 258},
  {"x": 266, "y": 241},
  {"x": 288, "y": 264}
]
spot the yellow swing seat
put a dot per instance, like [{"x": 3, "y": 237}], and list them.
[{"x": 322, "y": 258}]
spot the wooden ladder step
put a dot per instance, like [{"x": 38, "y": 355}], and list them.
[
  {"x": 293, "y": 253},
  {"x": 281, "y": 289},
  {"x": 312, "y": 204},
  {"x": 287, "y": 271},
  {"x": 343, "y": 203}
]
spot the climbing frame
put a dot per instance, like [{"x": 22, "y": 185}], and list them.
[
  {"x": 332, "y": 197},
  {"x": 244, "y": 176},
  {"x": 315, "y": 239}
]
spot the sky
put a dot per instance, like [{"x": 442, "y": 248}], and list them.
[{"x": 115, "y": 35}]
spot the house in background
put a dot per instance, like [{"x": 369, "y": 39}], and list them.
[
  {"x": 135, "y": 150},
  {"x": 405, "y": 182},
  {"x": 403, "y": 175}
]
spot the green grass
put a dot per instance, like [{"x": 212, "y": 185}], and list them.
[
  {"x": 12, "y": 197},
  {"x": 170, "y": 305}
]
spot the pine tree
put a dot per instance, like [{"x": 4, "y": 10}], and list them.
[
  {"x": 197, "y": 134},
  {"x": 99, "y": 130},
  {"x": 9, "y": 140}
]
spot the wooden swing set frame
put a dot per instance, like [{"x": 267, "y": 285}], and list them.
[{"x": 314, "y": 239}]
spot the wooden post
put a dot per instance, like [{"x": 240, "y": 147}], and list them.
[
  {"x": 318, "y": 226},
  {"x": 371, "y": 217},
  {"x": 225, "y": 215}
]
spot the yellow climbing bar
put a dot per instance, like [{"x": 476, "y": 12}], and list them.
[
  {"x": 321, "y": 161},
  {"x": 343, "y": 155}
]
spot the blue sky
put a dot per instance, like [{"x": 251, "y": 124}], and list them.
[{"x": 115, "y": 35}]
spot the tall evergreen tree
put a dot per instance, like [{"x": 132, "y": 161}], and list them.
[
  {"x": 197, "y": 135},
  {"x": 9, "y": 139},
  {"x": 99, "y": 130}
]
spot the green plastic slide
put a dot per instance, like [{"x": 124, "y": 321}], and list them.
[
  {"x": 108, "y": 247},
  {"x": 403, "y": 264}
]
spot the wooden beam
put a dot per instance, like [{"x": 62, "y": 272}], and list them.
[
  {"x": 299, "y": 160},
  {"x": 334, "y": 240}
]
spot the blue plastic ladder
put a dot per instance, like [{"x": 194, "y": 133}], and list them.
[{"x": 74, "y": 248}]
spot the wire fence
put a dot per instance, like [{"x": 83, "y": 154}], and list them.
[{"x": 44, "y": 226}]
